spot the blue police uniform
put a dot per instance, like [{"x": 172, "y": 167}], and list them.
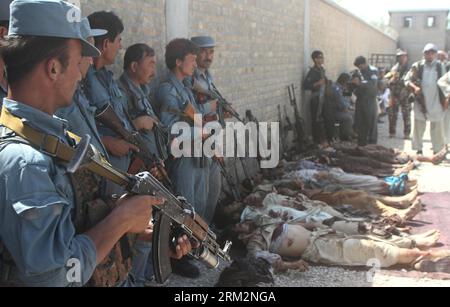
[
  {"x": 37, "y": 201},
  {"x": 213, "y": 170},
  {"x": 188, "y": 176}
]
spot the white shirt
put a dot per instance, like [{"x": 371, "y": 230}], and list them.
[
  {"x": 431, "y": 93},
  {"x": 444, "y": 84}
]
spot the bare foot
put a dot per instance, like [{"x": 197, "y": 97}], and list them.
[
  {"x": 440, "y": 157},
  {"x": 406, "y": 169},
  {"x": 436, "y": 261},
  {"x": 427, "y": 239},
  {"x": 399, "y": 202},
  {"x": 411, "y": 186}
]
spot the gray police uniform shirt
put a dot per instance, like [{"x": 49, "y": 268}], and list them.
[
  {"x": 174, "y": 95},
  {"x": 188, "y": 178},
  {"x": 214, "y": 175},
  {"x": 36, "y": 211},
  {"x": 101, "y": 90},
  {"x": 80, "y": 116},
  {"x": 141, "y": 107},
  {"x": 206, "y": 81}
]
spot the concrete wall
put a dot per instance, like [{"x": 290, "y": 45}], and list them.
[
  {"x": 343, "y": 36},
  {"x": 262, "y": 43},
  {"x": 448, "y": 41},
  {"x": 415, "y": 38}
]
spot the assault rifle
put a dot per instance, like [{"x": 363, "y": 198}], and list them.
[
  {"x": 109, "y": 119},
  {"x": 175, "y": 217}
]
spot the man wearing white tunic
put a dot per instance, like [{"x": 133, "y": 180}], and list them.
[{"x": 422, "y": 79}]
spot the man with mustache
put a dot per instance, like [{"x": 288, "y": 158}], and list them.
[
  {"x": 40, "y": 240},
  {"x": 102, "y": 90},
  {"x": 203, "y": 76},
  {"x": 188, "y": 173}
]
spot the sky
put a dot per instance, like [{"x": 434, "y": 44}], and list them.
[{"x": 376, "y": 10}]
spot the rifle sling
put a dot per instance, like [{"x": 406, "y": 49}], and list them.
[{"x": 53, "y": 146}]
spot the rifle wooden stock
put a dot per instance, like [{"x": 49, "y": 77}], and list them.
[
  {"x": 189, "y": 112},
  {"x": 300, "y": 135},
  {"x": 109, "y": 118},
  {"x": 421, "y": 101},
  {"x": 175, "y": 217}
]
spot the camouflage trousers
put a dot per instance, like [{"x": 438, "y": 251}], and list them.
[{"x": 395, "y": 105}]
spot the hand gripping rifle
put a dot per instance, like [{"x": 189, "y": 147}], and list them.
[
  {"x": 109, "y": 118},
  {"x": 176, "y": 216}
]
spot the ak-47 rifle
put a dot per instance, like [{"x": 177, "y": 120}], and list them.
[
  {"x": 288, "y": 127},
  {"x": 283, "y": 130},
  {"x": 109, "y": 119},
  {"x": 214, "y": 94},
  {"x": 322, "y": 96},
  {"x": 175, "y": 217},
  {"x": 420, "y": 98},
  {"x": 299, "y": 131}
]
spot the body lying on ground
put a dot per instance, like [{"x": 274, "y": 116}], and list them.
[
  {"x": 274, "y": 237},
  {"x": 335, "y": 179}
]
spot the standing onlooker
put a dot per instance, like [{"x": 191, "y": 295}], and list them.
[
  {"x": 316, "y": 82},
  {"x": 444, "y": 84},
  {"x": 443, "y": 58},
  {"x": 399, "y": 95},
  {"x": 366, "y": 115},
  {"x": 423, "y": 78}
]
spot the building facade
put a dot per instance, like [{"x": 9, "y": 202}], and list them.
[{"x": 417, "y": 28}]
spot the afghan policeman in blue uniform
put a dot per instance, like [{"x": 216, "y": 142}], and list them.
[
  {"x": 103, "y": 90},
  {"x": 139, "y": 70},
  {"x": 80, "y": 115},
  {"x": 204, "y": 79},
  {"x": 40, "y": 244},
  {"x": 366, "y": 113},
  {"x": 175, "y": 98}
]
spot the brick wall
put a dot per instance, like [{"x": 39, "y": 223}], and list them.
[
  {"x": 144, "y": 23},
  {"x": 260, "y": 49}
]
